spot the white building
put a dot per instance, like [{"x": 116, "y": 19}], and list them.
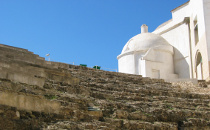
[{"x": 178, "y": 48}]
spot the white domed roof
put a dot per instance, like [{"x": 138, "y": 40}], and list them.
[{"x": 145, "y": 41}]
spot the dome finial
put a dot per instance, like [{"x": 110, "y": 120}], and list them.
[{"x": 144, "y": 28}]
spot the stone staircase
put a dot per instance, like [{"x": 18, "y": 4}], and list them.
[{"x": 37, "y": 94}]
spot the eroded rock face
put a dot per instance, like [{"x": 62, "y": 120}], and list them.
[{"x": 37, "y": 94}]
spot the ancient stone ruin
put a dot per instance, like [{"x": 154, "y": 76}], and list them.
[{"x": 38, "y": 94}]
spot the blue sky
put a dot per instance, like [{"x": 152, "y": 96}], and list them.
[{"x": 91, "y": 32}]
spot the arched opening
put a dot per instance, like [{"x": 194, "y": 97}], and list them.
[{"x": 199, "y": 66}]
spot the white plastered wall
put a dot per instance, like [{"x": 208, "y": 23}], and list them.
[
  {"x": 179, "y": 39},
  {"x": 180, "y": 13},
  {"x": 126, "y": 63},
  {"x": 137, "y": 57},
  {"x": 159, "y": 61},
  {"x": 178, "y": 34},
  {"x": 206, "y": 4},
  {"x": 197, "y": 13},
  {"x": 207, "y": 23}
]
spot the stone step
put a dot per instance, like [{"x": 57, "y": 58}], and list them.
[
  {"x": 11, "y": 48},
  {"x": 136, "y": 124},
  {"x": 19, "y": 76},
  {"x": 11, "y": 54},
  {"x": 29, "y": 70},
  {"x": 32, "y": 60}
]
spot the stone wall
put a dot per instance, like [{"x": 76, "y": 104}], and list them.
[{"x": 29, "y": 102}]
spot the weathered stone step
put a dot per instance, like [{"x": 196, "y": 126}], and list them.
[
  {"x": 29, "y": 70},
  {"x": 33, "y": 61},
  {"x": 21, "y": 77},
  {"x": 198, "y": 124},
  {"x": 137, "y": 125},
  {"x": 18, "y": 54},
  {"x": 11, "y": 48}
]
